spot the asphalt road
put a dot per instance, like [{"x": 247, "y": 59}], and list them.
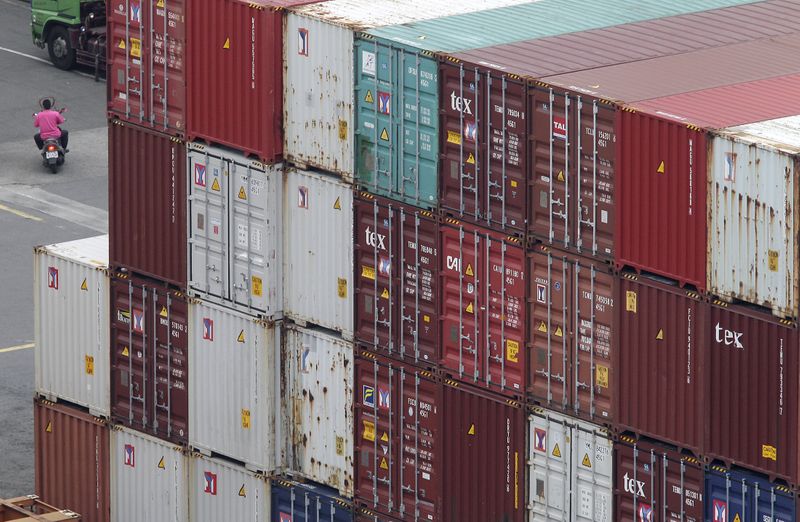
[{"x": 37, "y": 208}]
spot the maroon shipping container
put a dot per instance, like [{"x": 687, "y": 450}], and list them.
[
  {"x": 483, "y": 308},
  {"x": 235, "y": 75},
  {"x": 483, "y": 142},
  {"x": 366, "y": 515},
  {"x": 397, "y": 438},
  {"x": 72, "y": 460},
  {"x": 147, "y": 202},
  {"x": 661, "y": 362},
  {"x": 149, "y": 358},
  {"x": 656, "y": 484},
  {"x": 397, "y": 279},
  {"x": 484, "y": 456},
  {"x": 572, "y": 334},
  {"x": 753, "y": 391},
  {"x": 146, "y": 67}
]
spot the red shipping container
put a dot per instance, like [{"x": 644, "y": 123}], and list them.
[
  {"x": 149, "y": 358},
  {"x": 483, "y": 308},
  {"x": 397, "y": 279},
  {"x": 484, "y": 456},
  {"x": 72, "y": 460},
  {"x": 753, "y": 391},
  {"x": 661, "y": 362},
  {"x": 572, "y": 335},
  {"x": 365, "y": 515},
  {"x": 655, "y": 483},
  {"x": 146, "y": 63},
  {"x": 484, "y": 146},
  {"x": 147, "y": 202},
  {"x": 397, "y": 438}
]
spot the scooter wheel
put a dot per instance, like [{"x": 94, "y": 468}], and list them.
[{"x": 54, "y": 169}]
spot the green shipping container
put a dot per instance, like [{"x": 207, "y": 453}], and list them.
[{"x": 397, "y": 80}]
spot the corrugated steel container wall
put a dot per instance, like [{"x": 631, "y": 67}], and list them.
[
  {"x": 662, "y": 362},
  {"x": 484, "y": 456},
  {"x": 570, "y": 466},
  {"x": 71, "y": 300},
  {"x": 739, "y": 495},
  {"x": 72, "y": 460},
  {"x": 748, "y": 347},
  {"x": 220, "y": 490},
  {"x": 234, "y": 398},
  {"x": 146, "y": 81},
  {"x": 235, "y": 76},
  {"x": 149, "y": 478},
  {"x": 654, "y": 482},
  {"x": 397, "y": 279},
  {"x": 752, "y": 220},
  {"x": 147, "y": 202},
  {"x": 317, "y": 385},
  {"x": 398, "y": 439},
  {"x": 484, "y": 143},
  {"x": 365, "y": 515},
  {"x": 483, "y": 308},
  {"x": 235, "y": 230},
  {"x": 296, "y": 502},
  {"x": 149, "y": 358},
  {"x": 318, "y": 246},
  {"x": 572, "y": 335}
]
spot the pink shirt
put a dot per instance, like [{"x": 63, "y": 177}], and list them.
[{"x": 48, "y": 122}]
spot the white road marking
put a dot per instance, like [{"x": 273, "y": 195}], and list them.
[
  {"x": 45, "y": 202},
  {"x": 30, "y": 56},
  {"x": 16, "y": 348},
  {"x": 19, "y": 213}
]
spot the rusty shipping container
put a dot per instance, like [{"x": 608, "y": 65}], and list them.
[
  {"x": 654, "y": 482},
  {"x": 147, "y": 202},
  {"x": 398, "y": 439},
  {"x": 483, "y": 308},
  {"x": 661, "y": 367},
  {"x": 572, "y": 337},
  {"x": 72, "y": 460},
  {"x": 483, "y": 456},
  {"x": 146, "y": 81},
  {"x": 149, "y": 358},
  {"x": 753, "y": 399},
  {"x": 397, "y": 279}
]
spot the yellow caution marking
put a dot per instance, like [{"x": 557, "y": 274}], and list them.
[
  {"x": 660, "y": 335},
  {"x": 512, "y": 351},
  {"x": 49, "y": 428},
  {"x": 258, "y": 286},
  {"x": 514, "y": 183},
  {"x": 471, "y": 159},
  {"x": 337, "y": 205},
  {"x": 630, "y": 301},
  {"x": 471, "y": 430},
  {"x": 342, "y": 130},
  {"x": 125, "y": 352},
  {"x": 542, "y": 327},
  {"x": 340, "y": 446},
  {"x": 84, "y": 286},
  {"x": 160, "y": 3},
  {"x": 88, "y": 362},
  {"x": 122, "y": 44},
  {"x": 601, "y": 376},
  {"x": 660, "y": 169},
  {"x": 242, "y": 193},
  {"x": 163, "y": 311},
  {"x": 385, "y": 437},
  {"x": 561, "y": 176},
  {"x": 772, "y": 260},
  {"x": 136, "y": 48},
  {"x": 369, "y": 98},
  {"x": 769, "y": 452},
  {"x": 20, "y": 213},
  {"x": 736, "y": 518},
  {"x": 384, "y": 135},
  {"x": 557, "y": 451},
  {"x": 245, "y": 419},
  {"x": 161, "y": 464},
  {"x": 341, "y": 287},
  {"x": 385, "y": 294},
  {"x": 227, "y": 44},
  {"x": 215, "y": 185},
  {"x": 240, "y": 337},
  {"x": 368, "y": 272},
  {"x": 426, "y": 318},
  {"x": 469, "y": 270},
  {"x": 242, "y": 491},
  {"x": 586, "y": 462},
  {"x": 558, "y": 332},
  {"x": 453, "y": 137},
  {"x": 384, "y": 464},
  {"x": 468, "y": 309},
  {"x": 369, "y": 431}
]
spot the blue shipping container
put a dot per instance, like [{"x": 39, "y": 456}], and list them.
[
  {"x": 296, "y": 502},
  {"x": 733, "y": 496}
]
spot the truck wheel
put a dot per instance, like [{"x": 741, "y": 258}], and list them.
[{"x": 60, "y": 49}]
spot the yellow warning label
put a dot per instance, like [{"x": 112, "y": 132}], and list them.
[
  {"x": 586, "y": 462},
  {"x": 84, "y": 286},
  {"x": 385, "y": 437},
  {"x": 368, "y": 272},
  {"x": 337, "y": 205},
  {"x": 560, "y": 176},
  {"x": 384, "y": 135},
  {"x": 601, "y": 376},
  {"x": 227, "y": 44},
  {"x": 340, "y": 445},
  {"x": 542, "y": 327},
  {"x": 341, "y": 287},
  {"x": 136, "y": 48},
  {"x": 240, "y": 337},
  {"x": 453, "y": 137},
  {"x": 49, "y": 428},
  {"x": 471, "y": 430},
  {"x": 215, "y": 185},
  {"x": 772, "y": 256},
  {"x": 125, "y": 352},
  {"x": 161, "y": 464},
  {"x": 258, "y": 287},
  {"x": 88, "y": 362},
  {"x": 122, "y": 44},
  {"x": 469, "y": 270},
  {"x": 660, "y": 168},
  {"x": 558, "y": 332},
  {"x": 160, "y": 3},
  {"x": 468, "y": 309},
  {"x": 630, "y": 301},
  {"x": 736, "y": 518},
  {"x": 426, "y": 318},
  {"x": 245, "y": 419},
  {"x": 242, "y": 491},
  {"x": 369, "y": 431},
  {"x": 512, "y": 351},
  {"x": 384, "y": 464},
  {"x": 368, "y": 98},
  {"x": 557, "y": 451},
  {"x": 514, "y": 183},
  {"x": 242, "y": 193},
  {"x": 342, "y": 130},
  {"x": 163, "y": 311},
  {"x": 769, "y": 452},
  {"x": 660, "y": 335},
  {"x": 471, "y": 159},
  {"x": 385, "y": 294}
]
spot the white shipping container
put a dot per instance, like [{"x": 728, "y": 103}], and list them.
[
  {"x": 570, "y": 469},
  {"x": 71, "y": 323},
  {"x": 752, "y": 221},
  {"x": 318, "y": 84},
  {"x": 149, "y": 479},
  {"x": 318, "y": 251},
  {"x": 233, "y": 390},
  {"x": 318, "y": 399},
  {"x": 234, "y": 230},
  {"x": 221, "y": 491}
]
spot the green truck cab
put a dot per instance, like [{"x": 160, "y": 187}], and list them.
[{"x": 73, "y": 31}]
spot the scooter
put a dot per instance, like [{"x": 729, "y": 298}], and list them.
[{"x": 53, "y": 154}]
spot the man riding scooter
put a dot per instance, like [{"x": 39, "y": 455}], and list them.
[{"x": 48, "y": 122}]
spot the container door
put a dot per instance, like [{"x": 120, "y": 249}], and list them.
[
  {"x": 221, "y": 491},
  {"x": 128, "y": 83},
  {"x": 592, "y": 474},
  {"x": 550, "y": 477},
  {"x": 638, "y": 484}
]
